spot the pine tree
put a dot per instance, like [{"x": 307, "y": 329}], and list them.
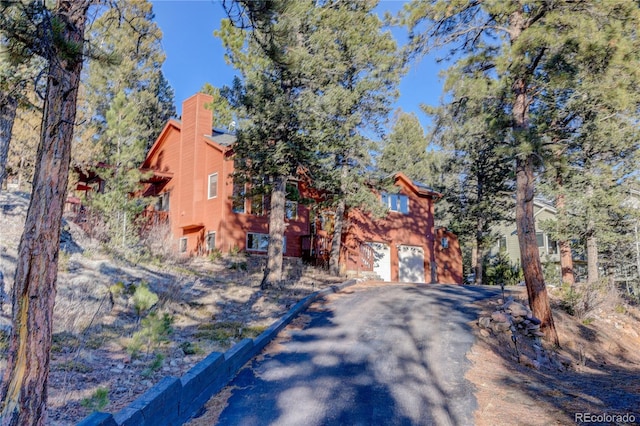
[
  {"x": 472, "y": 129},
  {"x": 60, "y": 42},
  {"x": 405, "y": 149},
  {"x": 357, "y": 67},
  {"x": 222, "y": 113},
  {"x": 264, "y": 43},
  {"x": 525, "y": 48},
  {"x": 18, "y": 70},
  {"x": 128, "y": 59},
  {"x": 124, "y": 150}
]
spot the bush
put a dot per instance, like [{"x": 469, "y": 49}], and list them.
[
  {"x": 582, "y": 299},
  {"x": 498, "y": 270},
  {"x": 143, "y": 299},
  {"x": 98, "y": 401}
]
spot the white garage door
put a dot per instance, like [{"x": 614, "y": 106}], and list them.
[
  {"x": 382, "y": 260},
  {"x": 411, "y": 260}
]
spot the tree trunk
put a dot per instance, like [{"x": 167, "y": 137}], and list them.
[
  {"x": 275, "y": 252},
  {"x": 593, "y": 275},
  {"x": 566, "y": 256},
  {"x": 24, "y": 385},
  {"x": 474, "y": 260},
  {"x": 525, "y": 221},
  {"x": 479, "y": 245},
  {"x": 529, "y": 254},
  {"x": 8, "y": 108},
  {"x": 336, "y": 241}
]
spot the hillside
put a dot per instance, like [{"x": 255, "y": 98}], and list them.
[
  {"x": 106, "y": 337},
  {"x": 99, "y": 339}
]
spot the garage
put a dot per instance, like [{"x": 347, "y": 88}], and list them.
[
  {"x": 382, "y": 260},
  {"x": 411, "y": 264}
]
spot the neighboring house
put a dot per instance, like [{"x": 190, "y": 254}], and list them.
[
  {"x": 548, "y": 248},
  {"x": 189, "y": 168}
]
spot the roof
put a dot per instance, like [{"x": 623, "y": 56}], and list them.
[
  {"x": 420, "y": 188},
  {"x": 221, "y": 138}
]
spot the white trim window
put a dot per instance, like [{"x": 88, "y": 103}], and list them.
[
  {"x": 291, "y": 210},
  {"x": 182, "y": 245},
  {"x": 260, "y": 242},
  {"x": 210, "y": 240},
  {"x": 213, "y": 186},
  {"x": 396, "y": 202}
]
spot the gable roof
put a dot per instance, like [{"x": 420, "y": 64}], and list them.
[
  {"x": 419, "y": 188},
  {"x": 172, "y": 123}
]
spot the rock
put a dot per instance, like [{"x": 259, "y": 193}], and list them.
[
  {"x": 517, "y": 309},
  {"x": 518, "y": 319},
  {"x": 116, "y": 370},
  {"x": 484, "y": 332},
  {"x": 484, "y": 322},
  {"x": 500, "y": 327},
  {"x": 537, "y": 333},
  {"x": 534, "y": 320},
  {"x": 500, "y": 317},
  {"x": 532, "y": 327}
]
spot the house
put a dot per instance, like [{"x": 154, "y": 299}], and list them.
[
  {"x": 189, "y": 169},
  {"x": 548, "y": 248}
]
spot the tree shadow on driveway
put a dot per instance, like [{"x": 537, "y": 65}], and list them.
[{"x": 387, "y": 354}]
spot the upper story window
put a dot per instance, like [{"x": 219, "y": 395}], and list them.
[
  {"x": 291, "y": 210},
  {"x": 444, "y": 242},
  {"x": 237, "y": 200},
  {"x": 213, "y": 186},
  {"x": 396, "y": 202},
  {"x": 163, "y": 202}
]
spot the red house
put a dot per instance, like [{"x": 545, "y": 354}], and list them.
[{"x": 189, "y": 169}]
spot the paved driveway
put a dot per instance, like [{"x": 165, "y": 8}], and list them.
[{"x": 382, "y": 354}]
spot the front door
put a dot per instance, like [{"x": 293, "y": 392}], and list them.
[{"x": 381, "y": 260}]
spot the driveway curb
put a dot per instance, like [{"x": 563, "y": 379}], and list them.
[{"x": 176, "y": 400}]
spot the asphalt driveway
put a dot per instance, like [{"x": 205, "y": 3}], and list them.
[{"x": 381, "y": 354}]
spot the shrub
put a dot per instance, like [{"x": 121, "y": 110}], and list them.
[
  {"x": 143, "y": 298},
  {"x": 582, "y": 299},
  {"x": 499, "y": 270},
  {"x": 154, "y": 366},
  {"x": 215, "y": 255},
  {"x": 98, "y": 401}
]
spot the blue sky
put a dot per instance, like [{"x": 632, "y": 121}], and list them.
[{"x": 195, "y": 57}]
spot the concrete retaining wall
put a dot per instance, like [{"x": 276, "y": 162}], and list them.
[{"x": 173, "y": 401}]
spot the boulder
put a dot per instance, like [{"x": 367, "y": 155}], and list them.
[
  {"x": 500, "y": 327},
  {"x": 484, "y": 322},
  {"x": 517, "y": 309},
  {"x": 500, "y": 317}
]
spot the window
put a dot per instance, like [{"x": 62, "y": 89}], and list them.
[
  {"x": 260, "y": 242},
  {"x": 540, "y": 239},
  {"x": 213, "y": 186},
  {"x": 257, "y": 205},
  {"x": 211, "y": 240},
  {"x": 502, "y": 244},
  {"x": 553, "y": 246},
  {"x": 444, "y": 242},
  {"x": 237, "y": 202},
  {"x": 396, "y": 202},
  {"x": 291, "y": 210},
  {"x": 163, "y": 202},
  {"x": 182, "y": 246}
]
